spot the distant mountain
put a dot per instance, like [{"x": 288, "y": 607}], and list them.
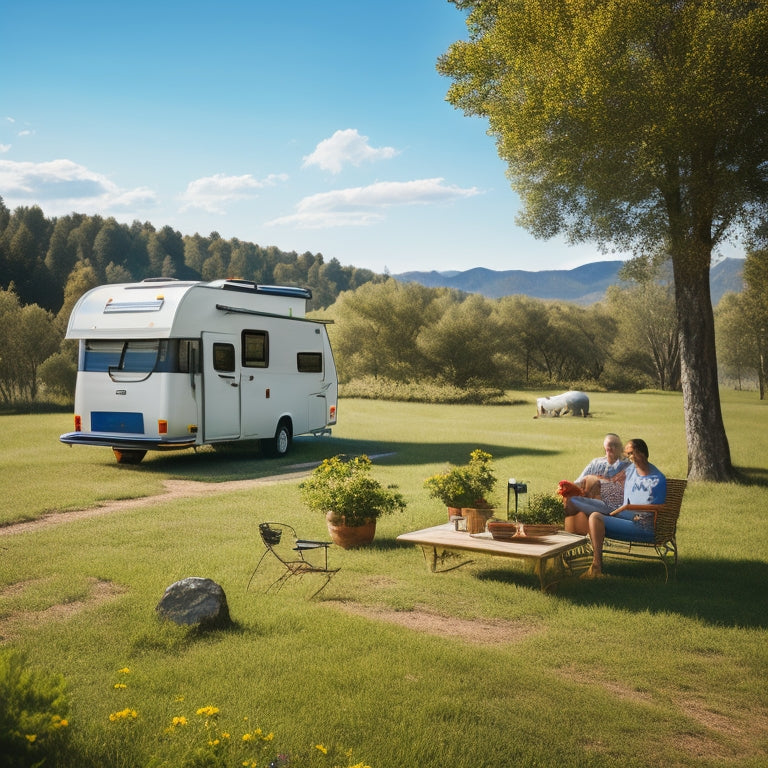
[{"x": 583, "y": 285}]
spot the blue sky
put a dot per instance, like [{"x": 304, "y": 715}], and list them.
[{"x": 318, "y": 127}]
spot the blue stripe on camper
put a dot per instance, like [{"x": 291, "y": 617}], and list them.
[{"x": 117, "y": 421}]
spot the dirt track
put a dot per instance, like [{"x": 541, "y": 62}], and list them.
[{"x": 173, "y": 489}]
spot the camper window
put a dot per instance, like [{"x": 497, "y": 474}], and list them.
[
  {"x": 189, "y": 356},
  {"x": 135, "y": 356},
  {"x": 309, "y": 362},
  {"x": 255, "y": 349},
  {"x": 224, "y": 357}
]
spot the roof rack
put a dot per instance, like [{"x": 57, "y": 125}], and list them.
[{"x": 249, "y": 286}]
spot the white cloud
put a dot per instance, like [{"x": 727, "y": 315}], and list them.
[
  {"x": 361, "y": 206},
  {"x": 346, "y": 147},
  {"x": 61, "y": 186},
  {"x": 211, "y": 193},
  {"x": 4, "y": 148}
]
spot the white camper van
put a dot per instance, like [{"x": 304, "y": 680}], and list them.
[{"x": 169, "y": 364}]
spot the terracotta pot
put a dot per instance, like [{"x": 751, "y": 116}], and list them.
[
  {"x": 454, "y": 512},
  {"x": 350, "y": 536},
  {"x": 476, "y": 518}
]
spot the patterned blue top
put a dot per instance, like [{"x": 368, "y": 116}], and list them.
[
  {"x": 645, "y": 489},
  {"x": 600, "y": 466}
]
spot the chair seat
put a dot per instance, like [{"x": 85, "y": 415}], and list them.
[
  {"x": 661, "y": 542},
  {"x": 306, "y": 544}
]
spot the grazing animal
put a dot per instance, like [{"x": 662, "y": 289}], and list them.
[{"x": 575, "y": 403}]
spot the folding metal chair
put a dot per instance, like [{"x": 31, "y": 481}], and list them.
[{"x": 281, "y": 540}]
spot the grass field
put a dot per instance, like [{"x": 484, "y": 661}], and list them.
[{"x": 467, "y": 669}]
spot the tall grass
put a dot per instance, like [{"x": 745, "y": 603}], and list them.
[{"x": 482, "y": 670}]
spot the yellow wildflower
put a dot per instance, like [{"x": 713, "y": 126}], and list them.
[
  {"x": 177, "y": 721},
  {"x": 208, "y": 711},
  {"x": 321, "y": 748},
  {"x": 124, "y": 671},
  {"x": 31, "y": 737},
  {"x": 120, "y": 685},
  {"x": 57, "y": 721},
  {"x": 123, "y": 714},
  {"x": 247, "y": 737}
]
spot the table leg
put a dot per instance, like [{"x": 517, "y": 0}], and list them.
[{"x": 436, "y": 559}]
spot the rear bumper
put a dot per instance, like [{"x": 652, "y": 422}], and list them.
[{"x": 127, "y": 442}]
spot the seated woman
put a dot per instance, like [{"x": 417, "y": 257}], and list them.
[{"x": 645, "y": 489}]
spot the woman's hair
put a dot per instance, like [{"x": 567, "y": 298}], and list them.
[{"x": 639, "y": 445}]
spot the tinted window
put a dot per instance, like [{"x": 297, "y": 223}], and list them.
[
  {"x": 309, "y": 362},
  {"x": 255, "y": 349},
  {"x": 135, "y": 356},
  {"x": 224, "y": 357}
]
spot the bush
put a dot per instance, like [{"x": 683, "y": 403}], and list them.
[
  {"x": 370, "y": 388},
  {"x": 33, "y": 709},
  {"x": 468, "y": 485},
  {"x": 345, "y": 487},
  {"x": 58, "y": 375},
  {"x": 543, "y": 508}
]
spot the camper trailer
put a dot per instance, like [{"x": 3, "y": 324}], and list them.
[{"x": 168, "y": 364}]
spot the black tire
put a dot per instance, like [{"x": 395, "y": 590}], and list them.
[
  {"x": 280, "y": 444},
  {"x": 128, "y": 456}
]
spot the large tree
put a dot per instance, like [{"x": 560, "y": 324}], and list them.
[{"x": 637, "y": 123}]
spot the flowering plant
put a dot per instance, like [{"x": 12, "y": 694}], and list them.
[
  {"x": 467, "y": 485},
  {"x": 344, "y": 487}
]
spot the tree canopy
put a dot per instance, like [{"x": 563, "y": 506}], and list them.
[{"x": 640, "y": 124}]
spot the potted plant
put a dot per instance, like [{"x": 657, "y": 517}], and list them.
[
  {"x": 466, "y": 487},
  {"x": 351, "y": 500},
  {"x": 543, "y": 515}
]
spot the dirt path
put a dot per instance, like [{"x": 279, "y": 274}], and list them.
[{"x": 172, "y": 489}]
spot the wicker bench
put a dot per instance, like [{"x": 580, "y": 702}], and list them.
[{"x": 664, "y": 544}]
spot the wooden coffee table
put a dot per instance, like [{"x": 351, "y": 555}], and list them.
[{"x": 553, "y": 556}]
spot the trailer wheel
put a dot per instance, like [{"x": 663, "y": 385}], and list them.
[
  {"x": 127, "y": 456},
  {"x": 281, "y": 442}
]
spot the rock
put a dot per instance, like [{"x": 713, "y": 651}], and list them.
[{"x": 195, "y": 600}]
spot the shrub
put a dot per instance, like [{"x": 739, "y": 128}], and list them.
[
  {"x": 344, "y": 487},
  {"x": 543, "y": 508},
  {"x": 468, "y": 485},
  {"x": 427, "y": 391},
  {"x": 33, "y": 709}
]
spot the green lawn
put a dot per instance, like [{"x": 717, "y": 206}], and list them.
[{"x": 475, "y": 667}]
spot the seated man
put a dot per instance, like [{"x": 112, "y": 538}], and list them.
[{"x": 603, "y": 477}]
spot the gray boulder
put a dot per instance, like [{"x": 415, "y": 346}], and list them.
[{"x": 195, "y": 601}]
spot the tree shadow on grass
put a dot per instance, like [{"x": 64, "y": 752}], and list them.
[
  {"x": 728, "y": 593},
  {"x": 242, "y": 461}
]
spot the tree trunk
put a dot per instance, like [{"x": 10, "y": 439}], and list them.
[{"x": 709, "y": 456}]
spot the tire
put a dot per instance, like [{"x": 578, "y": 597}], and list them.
[
  {"x": 128, "y": 456},
  {"x": 280, "y": 444}
]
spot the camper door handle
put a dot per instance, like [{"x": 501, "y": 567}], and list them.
[{"x": 224, "y": 376}]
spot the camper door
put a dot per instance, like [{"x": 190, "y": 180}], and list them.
[{"x": 221, "y": 386}]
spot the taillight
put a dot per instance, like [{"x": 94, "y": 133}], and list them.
[
  {"x": 162, "y": 426},
  {"x": 78, "y": 423},
  {"x": 333, "y": 413}
]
